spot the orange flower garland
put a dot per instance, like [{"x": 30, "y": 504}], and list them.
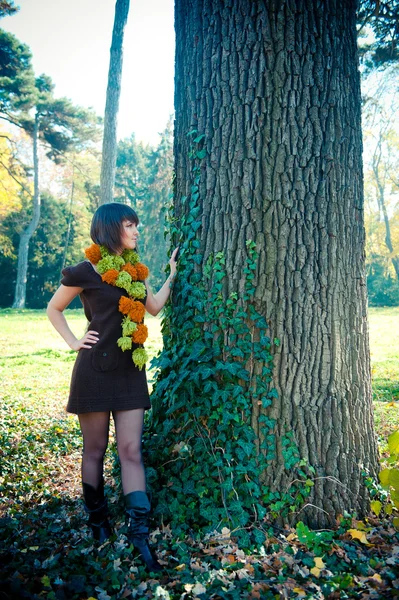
[
  {"x": 125, "y": 305},
  {"x": 141, "y": 334},
  {"x": 110, "y": 276},
  {"x": 132, "y": 272},
  {"x": 142, "y": 271},
  {"x": 93, "y": 253},
  {"x": 125, "y": 271},
  {"x": 137, "y": 311}
]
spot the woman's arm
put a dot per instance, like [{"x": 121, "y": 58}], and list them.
[
  {"x": 58, "y": 303},
  {"x": 155, "y": 302}
]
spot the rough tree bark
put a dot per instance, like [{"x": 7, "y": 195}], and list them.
[
  {"x": 108, "y": 163},
  {"x": 274, "y": 86},
  {"x": 25, "y": 236}
]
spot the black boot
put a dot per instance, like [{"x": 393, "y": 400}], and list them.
[
  {"x": 96, "y": 506},
  {"x": 138, "y": 510}
]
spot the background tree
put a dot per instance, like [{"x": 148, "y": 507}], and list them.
[
  {"x": 29, "y": 104},
  {"x": 61, "y": 126},
  {"x": 382, "y": 18},
  {"x": 80, "y": 178},
  {"x": 133, "y": 172},
  {"x": 153, "y": 234},
  {"x": 270, "y": 96},
  {"x": 17, "y": 79},
  {"x": 12, "y": 182},
  {"x": 65, "y": 215},
  {"x": 108, "y": 164},
  {"x": 381, "y": 157},
  {"x": 46, "y": 254},
  {"x": 7, "y": 8},
  {"x": 143, "y": 179}
]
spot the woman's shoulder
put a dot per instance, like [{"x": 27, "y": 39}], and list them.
[{"x": 79, "y": 275}]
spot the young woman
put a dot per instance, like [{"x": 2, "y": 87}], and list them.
[{"x": 109, "y": 372}]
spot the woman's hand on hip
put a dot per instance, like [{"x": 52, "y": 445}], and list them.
[{"x": 87, "y": 341}]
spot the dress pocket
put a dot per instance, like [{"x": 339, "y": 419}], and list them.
[{"x": 104, "y": 360}]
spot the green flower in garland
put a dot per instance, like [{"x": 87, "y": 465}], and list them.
[
  {"x": 125, "y": 343},
  {"x": 123, "y": 280},
  {"x": 131, "y": 256},
  {"x": 140, "y": 357},
  {"x": 104, "y": 251},
  {"x": 110, "y": 262},
  {"x": 136, "y": 289},
  {"x": 128, "y": 326}
]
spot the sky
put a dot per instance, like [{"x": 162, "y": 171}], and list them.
[{"x": 70, "y": 42}]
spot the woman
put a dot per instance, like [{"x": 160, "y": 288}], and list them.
[{"x": 109, "y": 374}]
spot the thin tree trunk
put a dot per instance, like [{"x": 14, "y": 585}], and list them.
[
  {"x": 383, "y": 208},
  {"x": 275, "y": 89},
  {"x": 23, "y": 249},
  {"x": 70, "y": 216},
  {"x": 108, "y": 164}
]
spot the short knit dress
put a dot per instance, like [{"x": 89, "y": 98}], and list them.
[{"x": 104, "y": 378}]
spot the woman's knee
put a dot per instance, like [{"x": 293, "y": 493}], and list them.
[
  {"x": 94, "y": 452},
  {"x": 130, "y": 452}
]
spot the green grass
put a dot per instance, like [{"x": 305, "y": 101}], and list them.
[
  {"x": 384, "y": 351},
  {"x": 384, "y": 344},
  {"x": 40, "y": 444},
  {"x": 36, "y": 363},
  {"x": 30, "y": 342}
]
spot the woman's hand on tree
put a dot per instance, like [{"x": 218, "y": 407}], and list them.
[
  {"x": 87, "y": 341},
  {"x": 173, "y": 262}
]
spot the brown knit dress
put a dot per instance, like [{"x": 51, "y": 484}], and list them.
[{"x": 104, "y": 378}]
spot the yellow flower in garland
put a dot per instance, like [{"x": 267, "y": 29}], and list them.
[
  {"x": 128, "y": 326},
  {"x": 125, "y": 343},
  {"x": 140, "y": 357},
  {"x": 110, "y": 262},
  {"x": 127, "y": 272},
  {"x": 137, "y": 290},
  {"x": 131, "y": 256},
  {"x": 123, "y": 280}
]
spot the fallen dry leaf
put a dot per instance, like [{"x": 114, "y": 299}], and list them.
[{"x": 359, "y": 535}]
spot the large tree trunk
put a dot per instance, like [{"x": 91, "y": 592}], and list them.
[
  {"x": 25, "y": 236},
  {"x": 108, "y": 164},
  {"x": 275, "y": 89}
]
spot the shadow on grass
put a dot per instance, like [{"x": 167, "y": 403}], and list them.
[
  {"x": 47, "y": 353},
  {"x": 385, "y": 390}
]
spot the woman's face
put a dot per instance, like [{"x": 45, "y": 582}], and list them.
[{"x": 129, "y": 235}]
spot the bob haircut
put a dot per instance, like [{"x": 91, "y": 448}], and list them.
[{"x": 106, "y": 225}]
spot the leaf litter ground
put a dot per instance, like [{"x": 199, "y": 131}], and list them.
[{"x": 46, "y": 549}]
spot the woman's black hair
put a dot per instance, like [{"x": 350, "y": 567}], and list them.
[{"x": 106, "y": 225}]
